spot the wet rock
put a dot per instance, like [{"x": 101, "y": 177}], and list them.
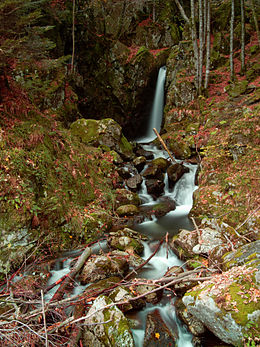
[
  {"x": 227, "y": 302},
  {"x": 139, "y": 163},
  {"x": 195, "y": 326},
  {"x": 106, "y": 326},
  {"x": 127, "y": 210},
  {"x": 153, "y": 171},
  {"x": 134, "y": 182},
  {"x": 126, "y": 240},
  {"x": 126, "y": 197},
  {"x": 142, "y": 152},
  {"x": 102, "y": 266},
  {"x": 175, "y": 172},
  {"x": 165, "y": 205},
  {"x": 161, "y": 163},
  {"x": 155, "y": 187},
  {"x": 157, "y": 333},
  {"x": 180, "y": 149},
  {"x": 120, "y": 294}
]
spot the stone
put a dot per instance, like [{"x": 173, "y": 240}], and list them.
[
  {"x": 127, "y": 210},
  {"x": 99, "y": 267},
  {"x": 126, "y": 240},
  {"x": 126, "y": 197},
  {"x": 106, "y": 326},
  {"x": 120, "y": 294},
  {"x": 175, "y": 172},
  {"x": 155, "y": 187},
  {"x": 134, "y": 182}
]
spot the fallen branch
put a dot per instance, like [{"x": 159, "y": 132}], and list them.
[
  {"x": 164, "y": 145},
  {"x": 80, "y": 262},
  {"x": 44, "y": 321},
  {"x": 197, "y": 229}
]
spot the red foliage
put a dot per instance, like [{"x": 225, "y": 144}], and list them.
[{"x": 146, "y": 22}]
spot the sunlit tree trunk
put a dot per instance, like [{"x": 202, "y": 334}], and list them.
[
  {"x": 207, "y": 46},
  {"x": 252, "y": 2},
  {"x": 242, "y": 3},
  {"x": 205, "y": 7},
  {"x": 232, "y": 19}
]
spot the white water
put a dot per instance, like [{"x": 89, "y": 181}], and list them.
[{"x": 155, "y": 120}]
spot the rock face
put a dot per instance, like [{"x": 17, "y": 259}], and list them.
[{"x": 116, "y": 332}]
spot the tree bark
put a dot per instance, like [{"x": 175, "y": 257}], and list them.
[
  {"x": 194, "y": 42},
  {"x": 182, "y": 11},
  {"x": 201, "y": 40},
  {"x": 73, "y": 37},
  {"x": 255, "y": 20},
  {"x": 232, "y": 19},
  {"x": 242, "y": 3},
  {"x": 206, "y": 83}
]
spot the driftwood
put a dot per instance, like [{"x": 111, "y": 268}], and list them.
[{"x": 164, "y": 145}]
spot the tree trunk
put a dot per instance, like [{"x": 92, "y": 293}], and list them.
[
  {"x": 201, "y": 39},
  {"x": 242, "y": 3},
  {"x": 255, "y": 20},
  {"x": 73, "y": 37},
  {"x": 232, "y": 19},
  {"x": 205, "y": 11},
  {"x": 207, "y": 47},
  {"x": 194, "y": 42},
  {"x": 182, "y": 11}
]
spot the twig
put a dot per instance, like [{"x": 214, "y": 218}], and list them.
[
  {"x": 44, "y": 321},
  {"x": 167, "y": 245}
]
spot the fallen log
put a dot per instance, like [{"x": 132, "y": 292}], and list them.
[{"x": 80, "y": 262}]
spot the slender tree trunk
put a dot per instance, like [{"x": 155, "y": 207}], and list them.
[
  {"x": 242, "y": 3},
  {"x": 207, "y": 47},
  {"x": 255, "y": 20},
  {"x": 232, "y": 19},
  {"x": 73, "y": 37},
  {"x": 201, "y": 39},
  {"x": 194, "y": 42},
  {"x": 205, "y": 11}
]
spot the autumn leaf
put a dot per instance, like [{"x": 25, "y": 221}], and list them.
[{"x": 157, "y": 336}]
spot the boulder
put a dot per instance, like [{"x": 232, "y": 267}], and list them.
[
  {"x": 106, "y": 132},
  {"x": 139, "y": 163},
  {"x": 163, "y": 206},
  {"x": 155, "y": 187},
  {"x": 99, "y": 267},
  {"x": 106, "y": 326},
  {"x": 127, "y": 210},
  {"x": 227, "y": 302},
  {"x": 126, "y": 197},
  {"x": 134, "y": 182},
  {"x": 175, "y": 172}
]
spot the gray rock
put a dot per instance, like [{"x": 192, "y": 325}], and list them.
[{"x": 106, "y": 327}]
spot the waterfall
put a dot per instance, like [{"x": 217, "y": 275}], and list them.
[{"x": 157, "y": 109}]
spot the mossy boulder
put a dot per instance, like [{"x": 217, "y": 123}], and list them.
[
  {"x": 106, "y": 132},
  {"x": 226, "y": 303},
  {"x": 120, "y": 294},
  {"x": 106, "y": 325},
  {"x": 126, "y": 197},
  {"x": 127, "y": 210},
  {"x": 179, "y": 148}
]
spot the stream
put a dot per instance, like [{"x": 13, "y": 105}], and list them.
[{"x": 155, "y": 230}]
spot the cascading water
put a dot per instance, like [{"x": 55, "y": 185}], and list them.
[
  {"x": 182, "y": 194},
  {"x": 157, "y": 108},
  {"x": 155, "y": 230}
]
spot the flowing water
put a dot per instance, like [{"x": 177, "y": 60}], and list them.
[{"x": 155, "y": 230}]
